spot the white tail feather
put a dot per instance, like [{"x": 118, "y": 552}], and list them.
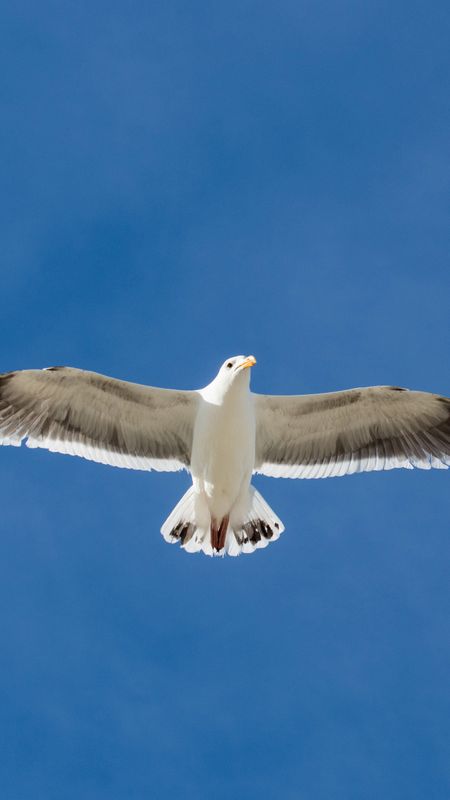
[{"x": 253, "y": 528}]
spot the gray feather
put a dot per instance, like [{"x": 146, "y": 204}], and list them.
[
  {"x": 374, "y": 428},
  {"x": 82, "y": 413}
]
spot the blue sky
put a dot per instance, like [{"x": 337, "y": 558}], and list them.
[{"x": 183, "y": 182}]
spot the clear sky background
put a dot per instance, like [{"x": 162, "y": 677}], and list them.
[{"x": 181, "y": 182}]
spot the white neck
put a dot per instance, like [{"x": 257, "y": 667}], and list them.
[{"x": 220, "y": 390}]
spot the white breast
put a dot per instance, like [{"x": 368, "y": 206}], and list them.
[{"x": 223, "y": 452}]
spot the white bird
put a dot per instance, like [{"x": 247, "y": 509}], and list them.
[{"x": 222, "y": 434}]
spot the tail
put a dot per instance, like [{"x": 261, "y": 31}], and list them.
[
  {"x": 248, "y": 529},
  {"x": 189, "y": 524}
]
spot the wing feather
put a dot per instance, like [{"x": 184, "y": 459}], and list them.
[
  {"x": 359, "y": 430},
  {"x": 67, "y": 410}
]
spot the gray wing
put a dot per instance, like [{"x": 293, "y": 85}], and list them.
[
  {"x": 359, "y": 430},
  {"x": 81, "y": 413}
]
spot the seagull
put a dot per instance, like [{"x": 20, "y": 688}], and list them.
[{"x": 222, "y": 435}]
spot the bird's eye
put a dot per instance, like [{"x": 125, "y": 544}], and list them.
[{"x": 229, "y": 365}]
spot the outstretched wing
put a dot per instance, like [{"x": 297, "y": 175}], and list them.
[
  {"x": 68, "y": 410},
  {"x": 375, "y": 428}
]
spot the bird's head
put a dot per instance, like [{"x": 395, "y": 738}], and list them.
[
  {"x": 236, "y": 368},
  {"x": 233, "y": 375}
]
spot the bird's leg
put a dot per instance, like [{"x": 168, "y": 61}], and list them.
[
  {"x": 218, "y": 533},
  {"x": 214, "y": 528},
  {"x": 223, "y": 527}
]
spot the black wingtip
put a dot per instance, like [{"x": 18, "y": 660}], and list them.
[
  {"x": 183, "y": 531},
  {"x": 257, "y": 529}
]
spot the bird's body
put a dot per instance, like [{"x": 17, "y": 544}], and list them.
[
  {"x": 222, "y": 513},
  {"x": 223, "y": 434},
  {"x": 223, "y": 472}
]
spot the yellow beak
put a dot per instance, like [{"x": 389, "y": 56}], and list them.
[{"x": 250, "y": 361}]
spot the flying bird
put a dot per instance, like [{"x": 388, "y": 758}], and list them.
[{"x": 222, "y": 434}]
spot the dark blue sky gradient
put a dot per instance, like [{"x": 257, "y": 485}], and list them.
[{"x": 183, "y": 182}]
